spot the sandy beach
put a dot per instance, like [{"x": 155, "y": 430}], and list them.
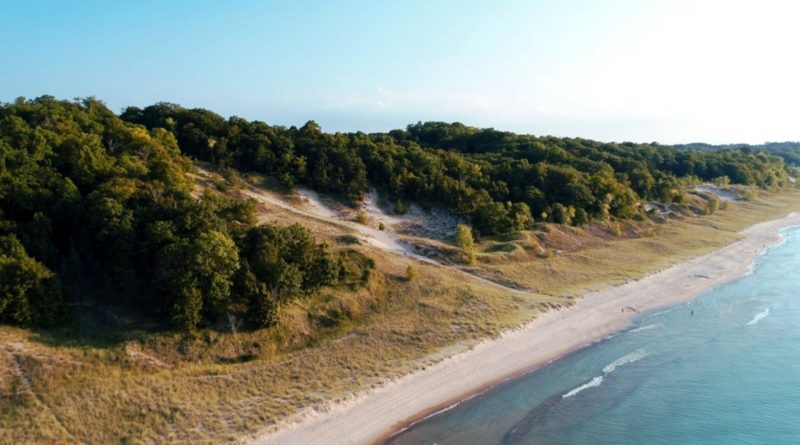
[{"x": 373, "y": 416}]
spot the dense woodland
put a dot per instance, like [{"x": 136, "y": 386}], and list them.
[
  {"x": 99, "y": 206},
  {"x": 94, "y": 208},
  {"x": 500, "y": 180},
  {"x": 789, "y": 151}
]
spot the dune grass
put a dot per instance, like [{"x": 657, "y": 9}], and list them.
[
  {"x": 151, "y": 386},
  {"x": 187, "y": 392},
  {"x": 657, "y": 246}
]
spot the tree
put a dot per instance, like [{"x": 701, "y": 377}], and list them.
[
  {"x": 262, "y": 305},
  {"x": 187, "y": 308},
  {"x": 491, "y": 218},
  {"x": 198, "y": 276},
  {"x": 278, "y": 265},
  {"x": 30, "y": 294},
  {"x": 466, "y": 243},
  {"x": 581, "y": 217},
  {"x": 520, "y": 216},
  {"x": 562, "y": 214},
  {"x": 214, "y": 259}
]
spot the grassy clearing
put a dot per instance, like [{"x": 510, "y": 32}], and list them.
[{"x": 151, "y": 386}]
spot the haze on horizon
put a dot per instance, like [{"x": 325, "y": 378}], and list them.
[{"x": 670, "y": 71}]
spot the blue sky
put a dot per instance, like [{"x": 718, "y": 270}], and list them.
[{"x": 668, "y": 71}]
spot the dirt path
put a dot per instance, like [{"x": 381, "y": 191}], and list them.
[{"x": 13, "y": 351}]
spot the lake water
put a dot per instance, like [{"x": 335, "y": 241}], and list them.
[{"x": 722, "y": 369}]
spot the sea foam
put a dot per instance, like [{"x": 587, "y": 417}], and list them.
[
  {"x": 634, "y": 356},
  {"x": 759, "y": 316},
  {"x": 594, "y": 382},
  {"x": 646, "y": 327}
]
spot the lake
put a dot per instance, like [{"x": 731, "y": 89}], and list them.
[{"x": 722, "y": 369}]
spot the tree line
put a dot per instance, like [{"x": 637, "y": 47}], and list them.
[
  {"x": 500, "y": 180},
  {"x": 789, "y": 150}
]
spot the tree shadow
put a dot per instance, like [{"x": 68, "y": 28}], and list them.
[{"x": 99, "y": 325}]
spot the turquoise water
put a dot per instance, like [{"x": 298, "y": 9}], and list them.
[{"x": 723, "y": 369}]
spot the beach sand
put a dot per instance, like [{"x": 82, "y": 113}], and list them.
[{"x": 372, "y": 417}]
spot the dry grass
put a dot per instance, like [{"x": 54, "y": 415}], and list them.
[
  {"x": 588, "y": 260},
  {"x": 220, "y": 387},
  {"x": 108, "y": 396}
]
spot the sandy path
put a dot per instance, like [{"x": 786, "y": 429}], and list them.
[
  {"x": 316, "y": 210},
  {"x": 554, "y": 334}
]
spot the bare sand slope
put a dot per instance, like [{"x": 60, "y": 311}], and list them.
[
  {"x": 721, "y": 193},
  {"x": 315, "y": 209},
  {"x": 371, "y": 416}
]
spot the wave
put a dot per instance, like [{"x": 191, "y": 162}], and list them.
[
  {"x": 634, "y": 356},
  {"x": 759, "y": 316},
  {"x": 646, "y": 327},
  {"x": 661, "y": 312},
  {"x": 594, "y": 382}
]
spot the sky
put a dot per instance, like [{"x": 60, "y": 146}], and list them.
[{"x": 670, "y": 71}]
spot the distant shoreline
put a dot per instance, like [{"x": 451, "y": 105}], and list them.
[{"x": 381, "y": 414}]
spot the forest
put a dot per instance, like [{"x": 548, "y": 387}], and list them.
[
  {"x": 95, "y": 205},
  {"x": 94, "y": 208},
  {"x": 789, "y": 151},
  {"x": 501, "y": 181}
]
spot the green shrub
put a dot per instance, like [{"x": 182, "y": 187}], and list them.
[
  {"x": 411, "y": 273},
  {"x": 348, "y": 240},
  {"x": 355, "y": 268}
]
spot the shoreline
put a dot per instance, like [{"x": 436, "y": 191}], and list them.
[{"x": 379, "y": 415}]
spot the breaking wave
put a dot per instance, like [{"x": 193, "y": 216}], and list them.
[
  {"x": 646, "y": 327},
  {"x": 759, "y": 316},
  {"x": 594, "y": 382},
  {"x": 634, "y": 356}
]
